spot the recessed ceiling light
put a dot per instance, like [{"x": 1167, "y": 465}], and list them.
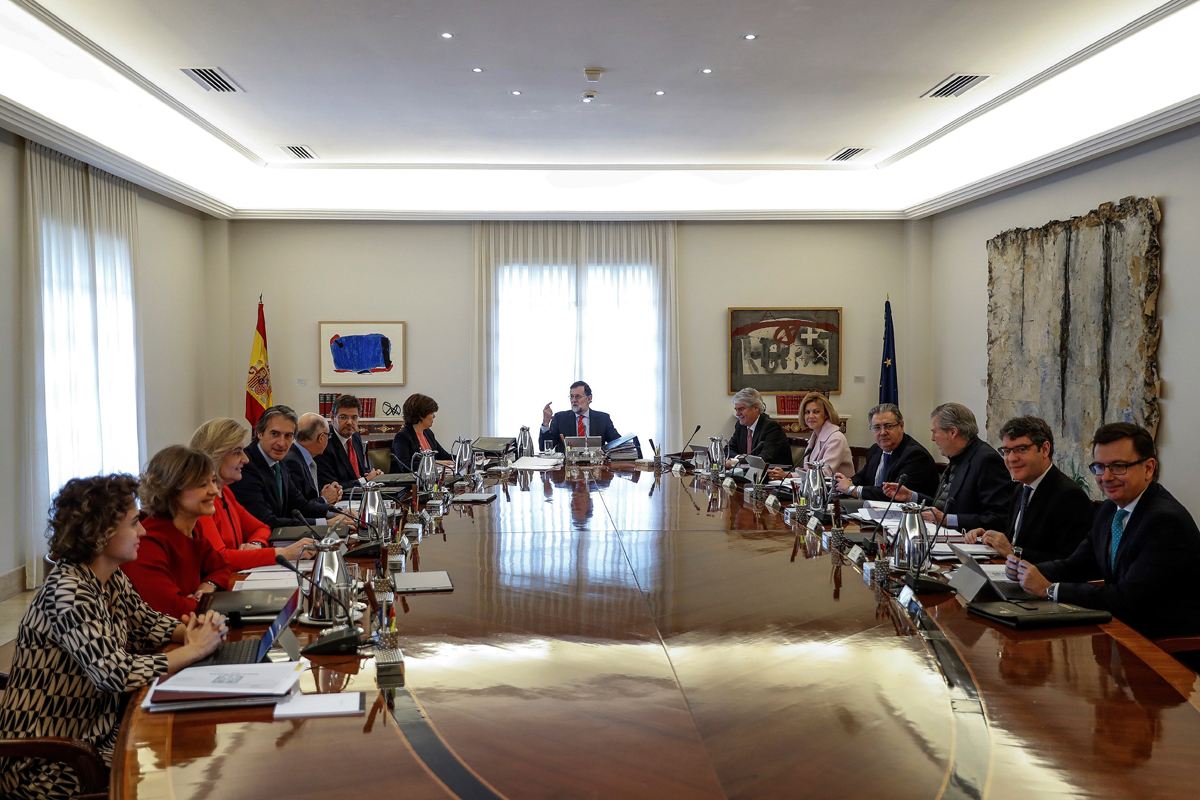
[
  {"x": 706, "y": 71},
  {"x": 750, "y": 37},
  {"x": 516, "y": 92},
  {"x": 477, "y": 69},
  {"x": 660, "y": 93},
  {"x": 447, "y": 35}
]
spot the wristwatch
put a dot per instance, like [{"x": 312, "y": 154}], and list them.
[{"x": 1052, "y": 592}]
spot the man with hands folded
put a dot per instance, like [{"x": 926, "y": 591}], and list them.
[
  {"x": 1143, "y": 544},
  {"x": 1050, "y": 515}
]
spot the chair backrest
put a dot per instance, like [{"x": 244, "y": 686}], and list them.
[{"x": 380, "y": 458}]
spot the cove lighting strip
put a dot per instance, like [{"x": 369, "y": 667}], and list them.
[{"x": 44, "y": 75}]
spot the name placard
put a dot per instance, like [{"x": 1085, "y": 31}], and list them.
[
  {"x": 677, "y": 468},
  {"x": 814, "y": 524},
  {"x": 855, "y": 554},
  {"x": 906, "y": 596},
  {"x": 773, "y": 501},
  {"x": 729, "y": 483}
]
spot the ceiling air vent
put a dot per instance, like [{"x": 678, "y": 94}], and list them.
[
  {"x": 848, "y": 153},
  {"x": 213, "y": 79},
  {"x": 956, "y": 85},
  {"x": 298, "y": 151}
]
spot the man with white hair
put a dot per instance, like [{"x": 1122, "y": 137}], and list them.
[
  {"x": 312, "y": 437},
  {"x": 755, "y": 433}
]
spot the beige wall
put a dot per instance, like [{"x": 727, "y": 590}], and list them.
[
  {"x": 171, "y": 305},
  {"x": 307, "y": 272},
  {"x": 851, "y": 265},
  {"x": 1167, "y": 168},
  {"x": 11, "y": 155}
]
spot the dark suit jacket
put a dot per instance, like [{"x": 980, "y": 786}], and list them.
[
  {"x": 259, "y": 495},
  {"x": 405, "y": 446},
  {"x": 334, "y": 463},
  {"x": 770, "y": 441},
  {"x": 563, "y": 423},
  {"x": 980, "y": 485},
  {"x": 297, "y": 469},
  {"x": 1058, "y": 518},
  {"x": 909, "y": 458},
  {"x": 1152, "y": 588}
]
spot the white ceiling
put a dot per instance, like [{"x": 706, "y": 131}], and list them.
[
  {"x": 405, "y": 130},
  {"x": 367, "y": 81}
]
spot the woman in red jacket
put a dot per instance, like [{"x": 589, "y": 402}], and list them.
[
  {"x": 233, "y": 531},
  {"x": 175, "y": 566}
]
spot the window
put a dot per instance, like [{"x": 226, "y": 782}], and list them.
[{"x": 580, "y": 301}]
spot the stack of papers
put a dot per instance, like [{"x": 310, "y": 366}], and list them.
[
  {"x": 277, "y": 579},
  {"x": 536, "y": 463},
  {"x": 980, "y": 552},
  {"x": 342, "y": 704},
  {"x": 223, "y": 686}
]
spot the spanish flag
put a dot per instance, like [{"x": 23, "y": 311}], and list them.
[{"x": 258, "y": 381}]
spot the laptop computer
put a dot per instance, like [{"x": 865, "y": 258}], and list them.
[
  {"x": 294, "y": 533},
  {"x": 253, "y": 651},
  {"x": 251, "y": 605},
  {"x": 492, "y": 445},
  {"x": 1005, "y": 589}
]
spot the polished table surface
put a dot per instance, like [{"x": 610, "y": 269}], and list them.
[{"x": 617, "y": 633}]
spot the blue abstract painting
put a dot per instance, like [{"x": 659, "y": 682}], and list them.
[{"x": 361, "y": 353}]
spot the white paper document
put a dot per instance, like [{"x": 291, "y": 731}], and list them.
[
  {"x": 941, "y": 550},
  {"x": 340, "y": 704},
  {"x": 304, "y": 566},
  {"x": 276, "y": 678},
  {"x": 536, "y": 463},
  {"x": 267, "y": 580}
]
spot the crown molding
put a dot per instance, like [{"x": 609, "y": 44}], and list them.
[
  {"x": 1148, "y": 127},
  {"x": 305, "y": 165},
  {"x": 31, "y": 125},
  {"x": 48, "y": 17},
  {"x": 612, "y": 216},
  {"x": 1144, "y": 21}
]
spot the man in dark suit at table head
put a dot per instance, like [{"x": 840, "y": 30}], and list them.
[
  {"x": 894, "y": 453},
  {"x": 1050, "y": 515},
  {"x": 344, "y": 461},
  {"x": 312, "y": 437},
  {"x": 755, "y": 433},
  {"x": 1143, "y": 544},
  {"x": 581, "y": 420},
  {"x": 975, "y": 479}
]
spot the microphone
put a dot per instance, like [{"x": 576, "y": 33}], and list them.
[
  {"x": 683, "y": 452},
  {"x": 899, "y": 483},
  {"x": 296, "y": 515}
]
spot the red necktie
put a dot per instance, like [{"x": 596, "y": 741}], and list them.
[
  {"x": 353, "y": 457},
  {"x": 582, "y": 431},
  {"x": 749, "y": 441}
]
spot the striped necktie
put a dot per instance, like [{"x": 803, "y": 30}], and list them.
[
  {"x": 882, "y": 471},
  {"x": 1118, "y": 528}
]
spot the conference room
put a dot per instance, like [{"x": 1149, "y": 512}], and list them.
[{"x": 675, "y": 352}]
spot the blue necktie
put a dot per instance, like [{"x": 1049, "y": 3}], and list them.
[
  {"x": 879, "y": 476},
  {"x": 1117, "y": 530}
]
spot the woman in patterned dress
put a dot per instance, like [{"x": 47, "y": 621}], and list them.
[{"x": 74, "y": 665}]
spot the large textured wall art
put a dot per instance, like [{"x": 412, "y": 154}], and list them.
[{"x": 1072, "y": 326}]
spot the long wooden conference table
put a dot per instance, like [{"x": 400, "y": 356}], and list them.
[{"x": 616, "y": 633}]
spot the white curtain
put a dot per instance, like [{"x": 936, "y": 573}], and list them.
[
  {"x": 558, "y": 302},
  {"x": 81, "y": 390}
]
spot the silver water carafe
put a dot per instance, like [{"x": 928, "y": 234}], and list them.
[
  {"x": 816, "y": 493},
  {"x": 329, "y": 570},
  {"x": 525, "y": 443},
  {"x": 427, "y": 471},
  {"x": 372, "y": 512},
  {"x": 464, "y": 457},
  {"x": 716, "y": 453},
  {"x": 910, "y": 550}
]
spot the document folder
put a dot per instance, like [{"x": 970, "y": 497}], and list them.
[{"x": 1038, "y": 614}]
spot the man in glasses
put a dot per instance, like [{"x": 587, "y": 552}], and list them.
[
  {"x": 344, "y": 461},
  {"x": 581, "y": 420},
  {"x": 1050, "y": 515},
  {"x": 894, "y": 453},
  {"x": 1143, "y": 544}
]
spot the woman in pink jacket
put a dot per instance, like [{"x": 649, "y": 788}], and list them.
[{"x": 826, "y": 442}]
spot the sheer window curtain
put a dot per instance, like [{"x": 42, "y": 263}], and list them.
[
  {"x": 80, "y": 347},
  {"x": 563, "y": 301}
]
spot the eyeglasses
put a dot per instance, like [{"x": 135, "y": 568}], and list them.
[
  {"x": 1020, "y": 450},
  {"x": 1116, "y": 467},
  {"x": 578, "y": 396},
  {"x": 885, "y": 427},
  {"x": 344, "y": 418}
]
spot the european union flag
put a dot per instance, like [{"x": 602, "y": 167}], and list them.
[{"x": 888, "y": 390}]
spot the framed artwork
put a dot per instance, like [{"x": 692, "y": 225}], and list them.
[
  {"x": 362, "y": 353},
  {"x": 785, "y": 350}
]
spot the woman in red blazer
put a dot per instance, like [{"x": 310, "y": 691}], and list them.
[
  {"x": 235, "y": 533},
  {"x": 176, "y": 566}
]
